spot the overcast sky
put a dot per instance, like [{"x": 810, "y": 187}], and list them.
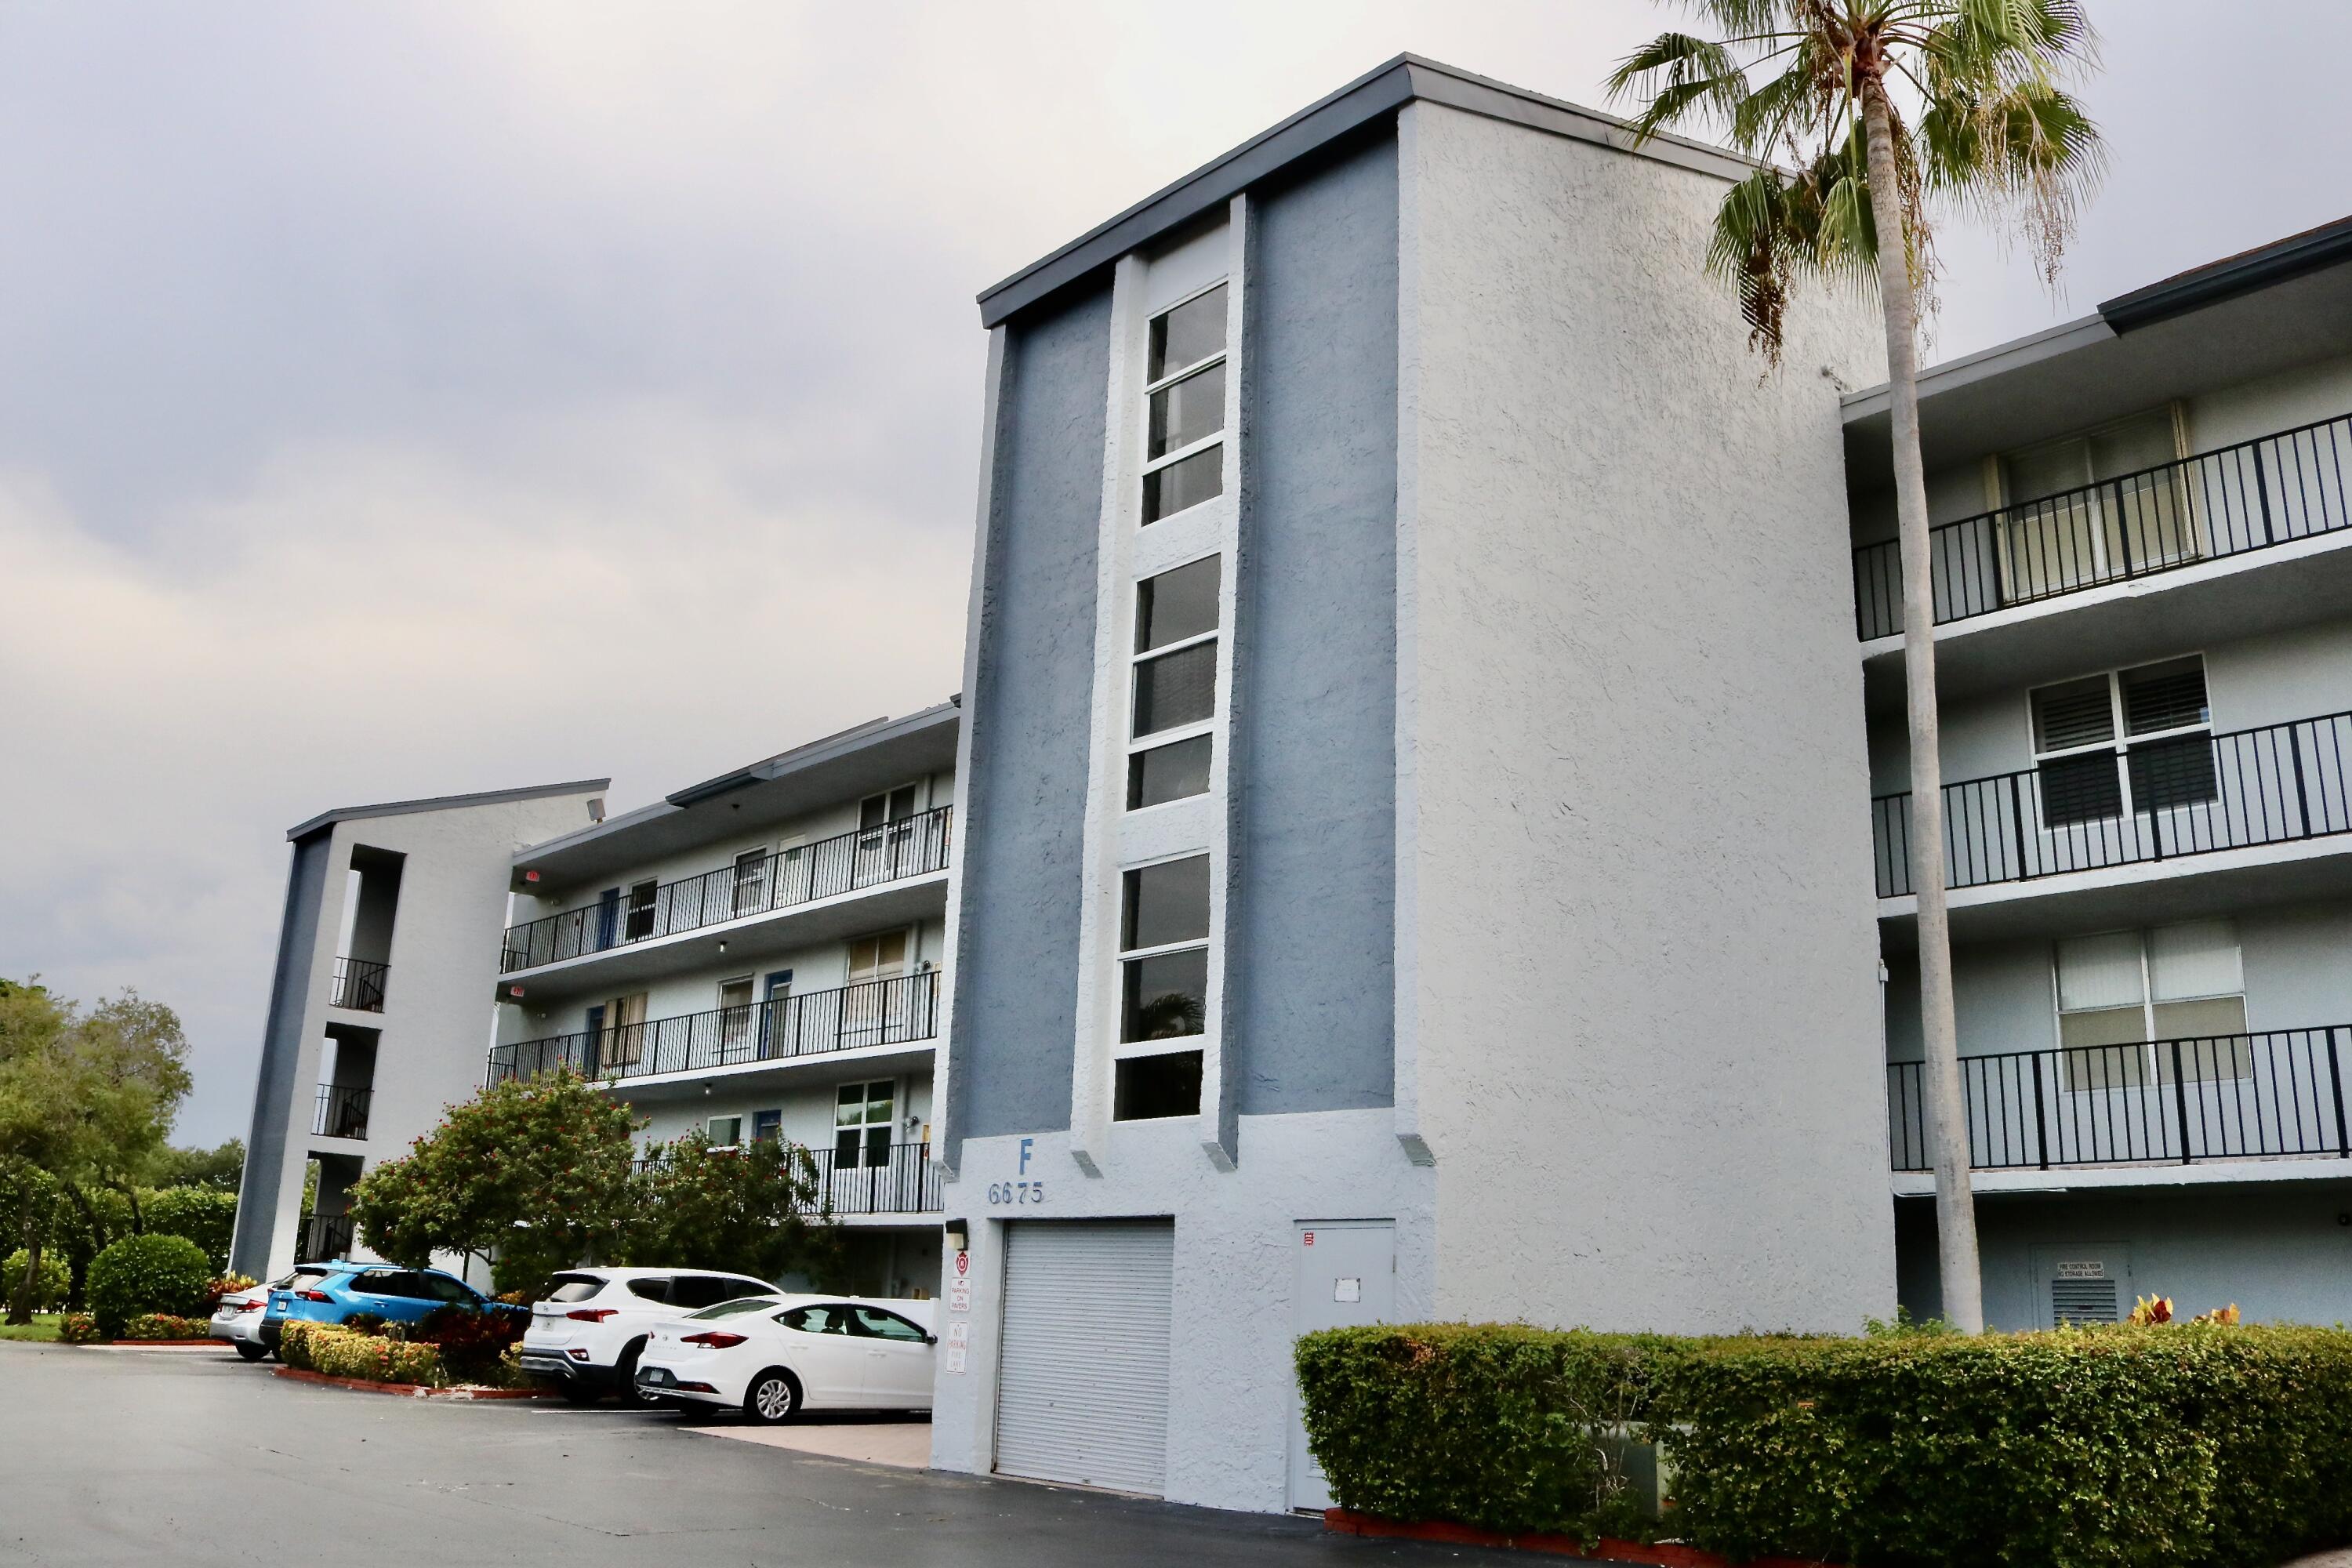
[{"x": 408, "y": 399}]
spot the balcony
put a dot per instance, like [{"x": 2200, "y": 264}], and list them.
[
  {"x": 2173, "y": 798},
  {"x": 320, "y": 1238},
  {"x": 359, "y": 985},
  {"x": 903, "y": 1182},
  {"x": 869, "y": 857},
  {"x": 2258, "y": 495},
  {"x": 898, "y": 1010},
  {"x": 2234, "y": 1097},
  {"x": 342, "y": 1113}
]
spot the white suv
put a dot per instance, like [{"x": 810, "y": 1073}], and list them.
[{"x": 584, "y": 1336}]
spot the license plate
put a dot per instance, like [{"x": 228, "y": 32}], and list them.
[{"x": 659, "y": 1376}]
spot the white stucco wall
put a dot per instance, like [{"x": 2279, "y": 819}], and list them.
[
  {"x": 1230, "y": 1407},
  {"x": 444, "y": 964},
  {"x": 1637, "y": 992}
]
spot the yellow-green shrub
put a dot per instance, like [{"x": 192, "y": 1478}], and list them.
[
  {"x": 2104, "y": 1446},
  {"x": 164, "y": 1326},
  {"x": 339, "y": 1353}
]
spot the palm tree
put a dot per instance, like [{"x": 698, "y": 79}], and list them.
[{"x": 1818, "y": 90}]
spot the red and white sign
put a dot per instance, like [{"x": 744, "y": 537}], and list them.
[
  {"x": 963, "y": 1262},
  {"x": 1309, "y": 1237}
]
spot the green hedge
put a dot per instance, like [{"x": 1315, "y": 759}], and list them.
[
  {"x": 205, "y": 1215},
  {"x": 164, "y": 1326},
  {"x": 339, "y": 1353},
  {"x": 142, "y": 1274},
  {"x": 2178, "y": 1444}
]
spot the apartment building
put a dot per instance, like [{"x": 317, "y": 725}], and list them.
[
  {"x": 757, "y": 957},
  {"x": 2143, "y": 562},
  {"x": 1417, "y": 794},
  {"x": 387, "y": 951}
]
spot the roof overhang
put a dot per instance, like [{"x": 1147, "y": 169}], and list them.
[
  {"x": 841, "y": 767},
  {"x": 1373, "y": 97},
  {"x": 2231, "y": 321},
  {"x": 326, "y": 819}
]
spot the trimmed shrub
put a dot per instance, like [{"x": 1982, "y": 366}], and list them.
[
  {"x": 339, "y": 1353},
  {"x": 472, "y": 1344},
  {"x": 2088, "y": 1446},
  {"x": 164, "y": 1326},
  {"x": 205, "y": 1215},
  {"x": 79, "y": 1329},
  {"x": 51, "y": 1283},
  {"x": 143, "y": 1274}
]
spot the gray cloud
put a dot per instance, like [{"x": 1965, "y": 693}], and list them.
[{"x": 402, "y": 399}]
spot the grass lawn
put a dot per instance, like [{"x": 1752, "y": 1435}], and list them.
[{"x": 43, "y": 1327}]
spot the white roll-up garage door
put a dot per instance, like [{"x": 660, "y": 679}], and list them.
[{"x": 1082, "y": 1383}]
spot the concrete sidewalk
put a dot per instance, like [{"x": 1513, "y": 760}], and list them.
[{"x": 903, "y": 1444}]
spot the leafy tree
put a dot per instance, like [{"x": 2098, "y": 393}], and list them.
[
  {"x": 86, "y": 1099},
  {"x": 205, "y": 1215},
  {"x": 1872, "y": 108},
  {"x": 534, "y": 1173},
  {"x": 746, "y": 1209},
  {"x": 222, "y": 1168}
]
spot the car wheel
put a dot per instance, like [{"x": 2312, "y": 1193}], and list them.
[
  {"x": 250, "y": 1350},
  {"x": 627, "y": 1373},
  {"x": 578, "y": 1393},
  {"x": 773, "y": 1398}
]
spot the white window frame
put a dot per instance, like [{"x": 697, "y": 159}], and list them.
[
  {"x": 711, "y": 1130},
  {"x": 1223, "y": 356},
  {"x": 2146, "y": 935},
  {"x": 1122, "y": 1049},
  {"x": 1137, "y": 745},
  {"x": 866, "y": 1102},
  {"x": 2119, "y": 741}
]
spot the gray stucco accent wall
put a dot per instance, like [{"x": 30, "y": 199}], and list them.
[
  {"x": 1314, "y": 764},
  {"x": 281, "y": 1054},
  {"x": 1016, "y": 989}
]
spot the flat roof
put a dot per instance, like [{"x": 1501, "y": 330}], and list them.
[
  {"x": 441, "y": 803},
  {"x": 844, "y": 765},
  {"x": 1377, "y": 94},
  {"x": 2226, "y": 322}
]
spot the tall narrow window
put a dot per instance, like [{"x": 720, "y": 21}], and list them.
[
  {"x": 1184, "y": 460},
  {"x": 2094, "y": 507},
  {"x": 1174, "y": 684},
  {"x": 642, "y": 896},
  {"x": 862, "y": 1123},
  {"x": 1164, "y": 950},
  {"x": 2132, "y": 740},
  {"x": 750, "y": 881}
]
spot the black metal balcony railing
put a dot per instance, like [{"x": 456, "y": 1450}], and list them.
[
  {"x": 342, "y": 1112},
  {"x": 2179, "y": 795},
  {"x": 2258, "y": 494},
  {"x": 318, "y": 1238},
  {"x": 910, "y": 847},
  {"x": 903, "y": 1182},
  {"x": 359, "y": 985},
  {"x": 872, "y": 1012},
  {"x": 2231, "y": 1097}
]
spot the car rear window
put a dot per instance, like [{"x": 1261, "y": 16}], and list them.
[
  {"x": 574, "y": 1287},
  {"x": 734, "y": 1309},
  {"x": 299, "y": 1277}
]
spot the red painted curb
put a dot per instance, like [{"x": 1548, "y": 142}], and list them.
[
  {"x": 412, "y": 1390},
  {"x": 1665, "y": 1554}
]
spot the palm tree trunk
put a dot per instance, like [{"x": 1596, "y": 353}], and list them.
[{"x": 1956, "y": 1219}]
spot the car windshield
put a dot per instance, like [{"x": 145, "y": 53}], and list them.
[
  {"x": 299, "y": 1277},
  {"x": 736, "y": 1308},
  {"x": 573, "y": 1287}
]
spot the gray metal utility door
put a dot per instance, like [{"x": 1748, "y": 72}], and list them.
[
  {"x": 1343, "y": 1277},
  {"x": 1082, "y": 1376}
]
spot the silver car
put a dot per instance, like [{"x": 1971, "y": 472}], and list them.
[{"x": 237, "y": 1318}]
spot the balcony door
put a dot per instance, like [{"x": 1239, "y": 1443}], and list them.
[
  {"x": 873, "y": 1009},
  {"x": 738, "y": 1024},
  {"x": 779, "y": 1034},
  {"x": 2094, "y": 508},
  {"x": 886, "y": 834},
  {"x": 864, "y": 1115}
]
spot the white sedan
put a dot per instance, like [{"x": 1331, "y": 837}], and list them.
[
  {"x": 775, "y": 1356},
  {"x": 237, "y": 1317}
]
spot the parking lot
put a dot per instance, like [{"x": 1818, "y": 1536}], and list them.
[{"x": 114, "y": 1456}]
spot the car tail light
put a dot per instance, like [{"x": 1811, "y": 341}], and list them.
[
  {"x": 246, "y": 1306},
  {"x": 697, "y": 1388},
  {"x": 716, "y": 1338},
  {"x": 591, "y": 1314},
  {"x": 312, "y": 1296}
]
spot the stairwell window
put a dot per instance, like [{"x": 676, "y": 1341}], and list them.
[
  {"x": 2124, "y": 996},
  {"x": 1184, "y": 459},
  {"x": 2129, "y": 741},
  {"x": 1164, "y": 950},
  {"x": 1174, "y": 683}
]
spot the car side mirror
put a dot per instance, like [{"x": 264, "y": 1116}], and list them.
[{"x": 930, "y": 1338}]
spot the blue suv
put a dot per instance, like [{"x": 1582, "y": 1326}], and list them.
[{"x": 385, "y": 1291}]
